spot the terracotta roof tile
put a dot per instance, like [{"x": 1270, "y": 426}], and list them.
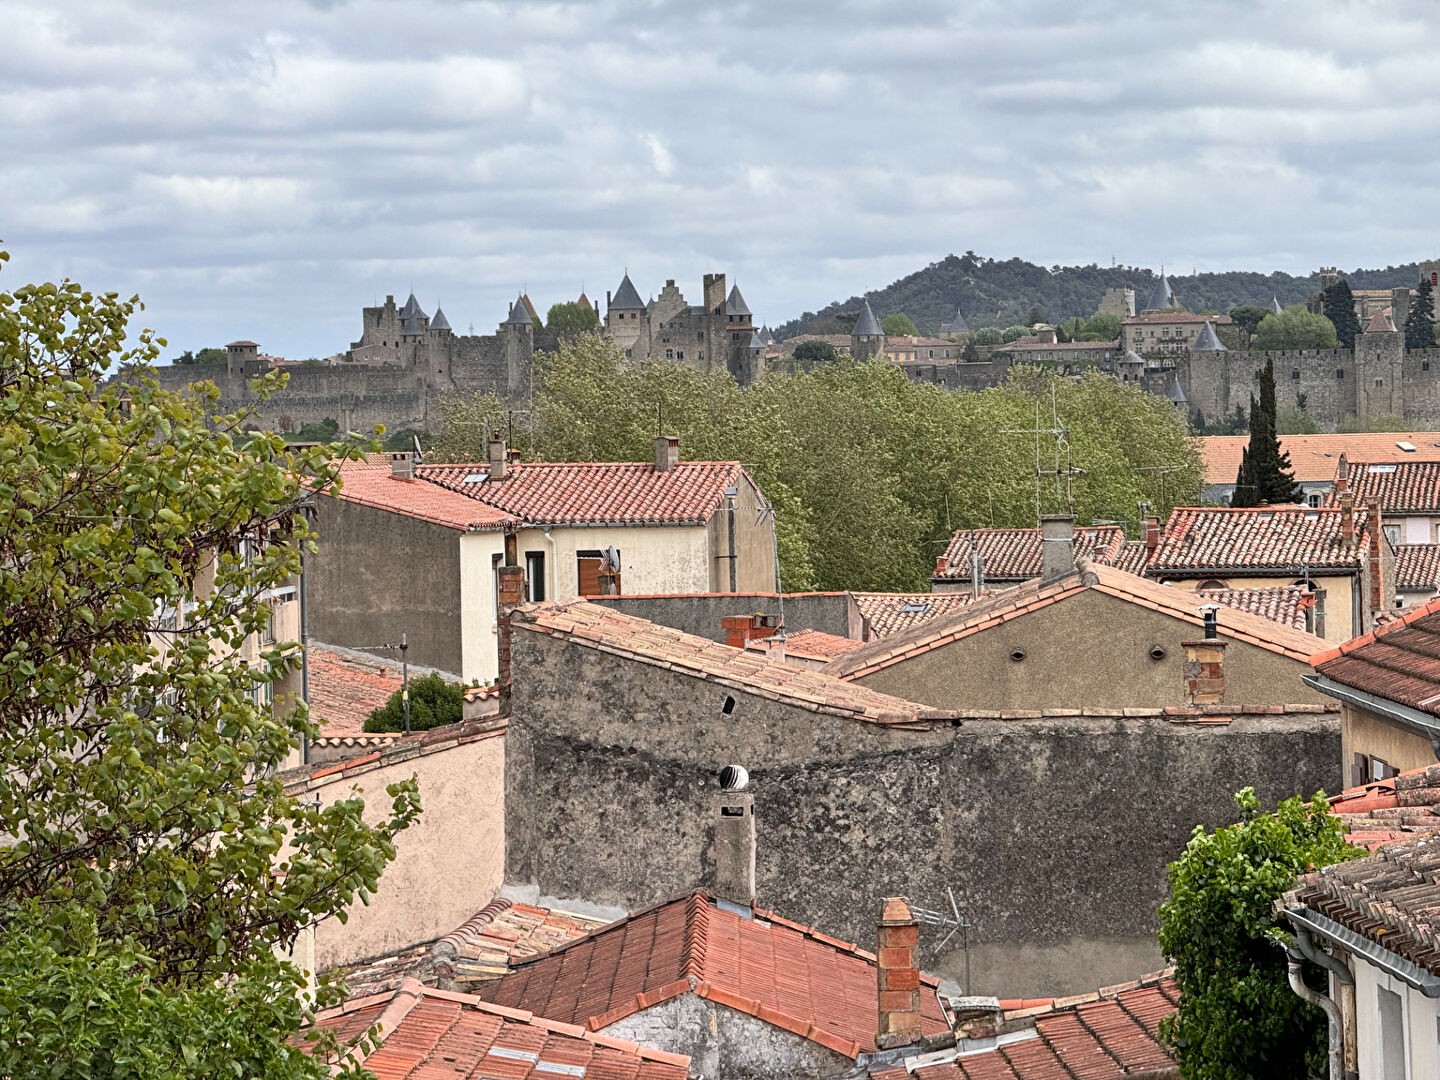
[
  {"x": 1014, "y": 554},
  {"x": 890, "y": 613},
  {"x": 1417, "y": 566},
  {"x": 1034, "y": 595},
  {"x": 1159, "y": 317},
  {"x": 594, "y": 493},
  {"x": 787, "y": 976},
  {"x": 806, "y": 645},
  {"x": 1398, "y": 661},
  {"x": 1284, "y": 604},
  {"x": 345, "y": 690},
  {"x": 369, "y": 483},
  {"x": 1315, "y": 458},
  {"x": 1391, "y": 897},
  {"x": 599, "y": 627},
  {"x": 1132, "y": 557},
  {"x": 1201, "y": 540},
  {"x": 1403, "y": 807},
  {"x": 1401, "y": 486},
  {"x": 426, "y": 1032}
]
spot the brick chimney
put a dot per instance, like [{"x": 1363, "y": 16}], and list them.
[
  {"x": 1380, "y": 596},
  {"x": 1205, "y": 663},
  {"x": 510, "y": 595},
  {"x": 1152, "y": 534},
  {"x": 1057, "y": 546},
  {"x": 1347, "y": 517},
  {"x": 1318, "y": 617},
  {"x": 897, "y": 974},
  {"x": 499, "y": 459},
  {"x": 667, "y": 453},
  {"x": 402, "y": 465},
  {"x": 742, "y": 628},
  {"x": 735, "y": 847},
  {"x": 1342, "y": 476}
]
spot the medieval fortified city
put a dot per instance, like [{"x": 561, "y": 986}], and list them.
[{"x": 744, "y": 633}]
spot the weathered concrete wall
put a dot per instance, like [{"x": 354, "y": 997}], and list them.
[
  {"x": 700, "y": 614},
  {"x": 1054, "y": 832},
  {"x": 1109, "y": 670},
  {"x": 725, "y": 1044},
  {"x": 377, "y": 575},
  {"x": 448, "y": 865}
]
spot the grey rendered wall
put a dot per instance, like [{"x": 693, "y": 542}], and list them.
[{"x": 701, "y": 614}]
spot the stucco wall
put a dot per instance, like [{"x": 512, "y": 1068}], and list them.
[
  {"x": 1341, "y": 622},
  {"x": 376, "y": 575},
  {"x": 448, "y": 865},
  {"x": 1054, "y": 833},
  {"x": 1419, "y": 1019},
  {"x": 1089, "y": 649},
  {"x": 1362, "y": 732},
  {"x": 724, "y": 1044},
  {"x": 832, "y": 612}
]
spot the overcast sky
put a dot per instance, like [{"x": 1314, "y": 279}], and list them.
[{"x": 265, "y": 169}]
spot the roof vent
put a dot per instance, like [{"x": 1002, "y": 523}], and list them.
[{"x": 1408, "y": 447}]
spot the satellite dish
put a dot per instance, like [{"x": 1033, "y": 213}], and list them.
[
  {"x": 612, "y": 559},
  {"x": 734, "y": 778},
  {"x": 416, "y": 440}
]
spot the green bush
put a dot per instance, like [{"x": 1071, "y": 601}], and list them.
[{"x": 433, "y": 703}]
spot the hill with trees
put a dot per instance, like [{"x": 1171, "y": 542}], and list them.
[{"x": 1000, "y": 293}]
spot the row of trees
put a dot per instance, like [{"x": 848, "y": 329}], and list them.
[{"x": 869, "y": 472}]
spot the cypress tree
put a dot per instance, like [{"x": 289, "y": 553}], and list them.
[
  {"x": 1265, "y": 474},
  {"x": 1338, "y": 305},
  {"x": 1420, "y": 323}
]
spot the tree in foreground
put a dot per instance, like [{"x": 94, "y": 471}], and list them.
[
  {"x": 433, "y": 702},
  {"x": 1295, "y": 328},
  {"x": 1420, "y": 323},
  {"x": 1238, "y": 1017},
  {"x": 160, "y": 870},
  {"x": 1338, "y": 305},
  {"x": 1265, "y": 475}
]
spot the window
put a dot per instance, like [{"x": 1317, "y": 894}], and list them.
[
  {"x": 1295, "y": 374},
  {"x": 1313, "y": 499},
  {"x": 1379, "y": 382},
  {"x": 1340, "y": 373},
  {"x": 669, "y": 354},
  {"x": 1392, "y": 1035},
  {"x": 588, "y": 568},
  {"x": 1424, "y": 365},
  {"x": 699, "y": 335},
  {"x": 1392, "y": 533},
  {"x": 1211, "y": 585},
  {"x": 1368, "y": 769},
  {"x": 534, "y": 576},
  {"x": 679, "y": 354},
  {"x": 495, "y": 581}
]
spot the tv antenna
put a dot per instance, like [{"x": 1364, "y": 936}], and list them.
[
  {"x": 954, "y": 922},
  {"x": 1064, "y": 492}
]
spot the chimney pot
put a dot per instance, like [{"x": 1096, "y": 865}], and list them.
[
  {"x": 402, "y": 465},
  {"x": 667, "y": 453},
  {"x": 499, "y": 459},
  {"x": 1342, "y": 476},
  {"x": 1347, "y": 517},
  {"x": 897, "y": 975},
  {"x": 1152, "y": 534},
  {"x": 1057, "y": 546}
]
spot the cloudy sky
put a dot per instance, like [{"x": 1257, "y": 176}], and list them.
[{"x": 264, "y": 169}]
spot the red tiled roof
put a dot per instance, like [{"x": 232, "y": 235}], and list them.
[
  {"x": 595, "y": 493},
  {"x": 1314, "y": 458},
  {"x": 806, "y": 645},
  {"x": 1391, "y": 897},
  {"x": 1401, "y": 486},
  {"x": 1417, "y": 566},
  {"x": 1380, "y": 323},
  {"x": 1108, "y": 1035},
  {"x": 786, "y": 974},
  {"x": 426, "y": 1032},
  {"x": 1284, "y": 604},
  {"x": 1014, "y": 554},
  {"x": 1398, "y": 661},
  {"x": 1401, "y": 808},
  {"x": 1200, "y": 540},
  {"x": 596, "y": 626},
  {"x": 1034, "y": 595},
  {"x": 890, "y": 613},
  {"x": 345, "y": 690},
  {"x": 1160, "y": 317},
  {"x": 369, "y": 483}
]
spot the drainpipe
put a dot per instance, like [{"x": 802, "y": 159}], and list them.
[
  {"x": 554, "y": 574},
  {"x": 1319, "y": 957},
  {"x": 1294, "y": 964}
]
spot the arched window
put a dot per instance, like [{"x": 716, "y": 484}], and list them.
[{"x": 1211, "y": 585}]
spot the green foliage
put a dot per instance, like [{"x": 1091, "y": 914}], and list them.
[
  {"x": 1292, "y": 421},
  {"x": 204, "y": 356},
  {"x": 396, "y": 441},
  {"x": 1265, "y": 475},
  {"x": 327, "y": 430},
  {"x": 137, "y": 765},
  {"x": 866, "y": 469},
  {"x": 1295, "y": 328},
  {"x": 1337, "y": 303},
  {"x": 1420, "y": 323},
  {"x": 1095, "y": 328},
  {"x": 1248, "y": 316},
  {"x": 571, "y": 318},
  {"x": 433, "y": 702},
  {"x": 897, "y": 324},
  {"x": 815, "y": 352},
  {"x": 989, "y": 335},
  {"x": 1386, "y": 422},
  {"x": 1014, "y": 333},
  {"x": 970, "y": 353},
  {"x": 1231, "y": 423},
  {"x": 1238, "y": 1017}
]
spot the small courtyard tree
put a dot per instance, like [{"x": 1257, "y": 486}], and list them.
[
  {"x": 1238, "y": 1018},
  {"x": 433, "y": 702},
  {"x": 152, "y": 868}
]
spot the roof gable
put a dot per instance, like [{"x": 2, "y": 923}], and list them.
[
  {"x": 756, "y": 962},
  {"x": 594, "y": 493},
  {"x": 596, "y": 626}
]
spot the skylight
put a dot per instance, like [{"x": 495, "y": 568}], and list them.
[
  {"x": 1408, "y": 447},
  {"x": 476, "y": 477},
  {"x": 914, "y": 607},
  {"x": 1380, "y": 468}
]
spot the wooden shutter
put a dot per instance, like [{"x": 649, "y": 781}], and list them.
[{"x": 588, "y": 574}]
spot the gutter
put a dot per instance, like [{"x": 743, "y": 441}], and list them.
[
  {"x": 1421, "y": 722},
  {"x": 1408, "y": 972}
]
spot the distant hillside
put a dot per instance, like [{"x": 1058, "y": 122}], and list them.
[{"x": 993, "y": 293}]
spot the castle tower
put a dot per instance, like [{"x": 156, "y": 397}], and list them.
[
  {"x": 242, "y": 359},
  {"x": 1163, "y": 297},
  {"x": 439, "y": 346},
  {"x": 1379, "y": 361},
  {"x": 739, "y": 337},
  {"x": 1207, "y": 340},
  {"x": 624, "y": 312},
  {"x": 518, "y": 334},
  {"x": 866, "y": 338}
]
